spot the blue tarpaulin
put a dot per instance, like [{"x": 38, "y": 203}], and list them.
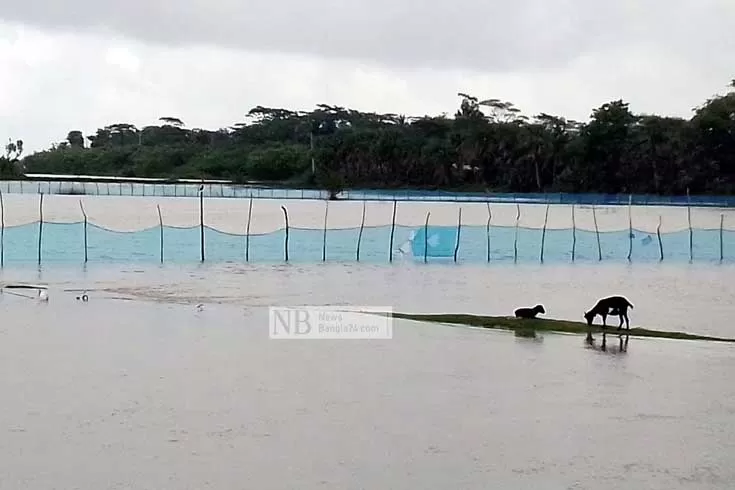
[{"x": 440, "y": 241}]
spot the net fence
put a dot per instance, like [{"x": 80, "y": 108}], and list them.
[
  {"x": 261, "y": 216},
  {"x": 229, "y": 190},
  {"x": 453, "y": 224}
]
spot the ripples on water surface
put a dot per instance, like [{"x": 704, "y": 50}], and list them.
[{"x": 150, "y": 393}]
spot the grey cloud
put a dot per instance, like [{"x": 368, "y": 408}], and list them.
[{"x": 483, "y": 35}]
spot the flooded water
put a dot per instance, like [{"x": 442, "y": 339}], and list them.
[
  {"x": 696, "y": 298},
  {"x": 138, "y": 389}
]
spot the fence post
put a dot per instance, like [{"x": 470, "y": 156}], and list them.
[
  {"x": 691, "y": 233},
  {"x": 201, "y": 221},
  {"x": 574, "y": 234},
  {"x": 392, "y": 231},
  {"x": 324, "y": 236},
  {"x": 426, "y": 236},
  {"x": 285, "y": 243},
  {"x": 247, "y": 230},
  {"x": 722, "y": 223},
  {"x": 81, "y": 206},
  {"x": 459, "y": 227},
  {"x": 630, "y": 226},
  {"x": 2, "y": 231},
  {"x": 359, "y": 236},
  {"x": 597, "y": 233},
  {"x": 160, "y": 227},
  {"x": 487, "y": 232},
  {"x": 660, "y": 242},
  {"x": 515, "y": 239},
  {"x": 40, "y": 226},
  {"x": 543, "y": 233}
]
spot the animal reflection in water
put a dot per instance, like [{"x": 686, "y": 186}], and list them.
[{"x": 620, "y": 348}]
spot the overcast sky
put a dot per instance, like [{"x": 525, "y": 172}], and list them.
[{"x": 81, "y": 65}]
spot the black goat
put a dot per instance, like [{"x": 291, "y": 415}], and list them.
[{"x": 530, "y": 312}]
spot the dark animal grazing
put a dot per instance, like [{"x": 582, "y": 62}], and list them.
[
  {"x": 529, "y": 312},
  {"x": 613, "y": 305}
]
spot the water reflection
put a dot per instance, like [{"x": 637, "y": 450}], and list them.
[{"x": 621, "y": 348}]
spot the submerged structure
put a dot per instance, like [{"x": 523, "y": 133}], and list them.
[{"x": 432, "y": 242}]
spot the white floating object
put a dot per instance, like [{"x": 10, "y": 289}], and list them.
[
  {"x": 42, "y": 295},
  {"x": 200, "y": 307}
]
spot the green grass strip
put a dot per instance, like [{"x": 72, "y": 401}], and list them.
[{"x": 548, "y": 325}]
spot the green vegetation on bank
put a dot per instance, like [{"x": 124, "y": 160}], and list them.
[
  {"x": 487, "y": 145},
  {"x": 546, "y": 325}
]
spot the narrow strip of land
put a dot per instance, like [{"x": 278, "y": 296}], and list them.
[{"x": 547, "y": 325}]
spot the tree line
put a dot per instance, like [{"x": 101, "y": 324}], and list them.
[{"x": 487, "y": 145}]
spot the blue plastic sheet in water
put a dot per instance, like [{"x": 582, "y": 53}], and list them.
[{"x": 434, "y": 241}]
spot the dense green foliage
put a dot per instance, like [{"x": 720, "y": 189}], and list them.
[
  {"x": 487, "y": 145},
  {"x": 10, "y": 166}
]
